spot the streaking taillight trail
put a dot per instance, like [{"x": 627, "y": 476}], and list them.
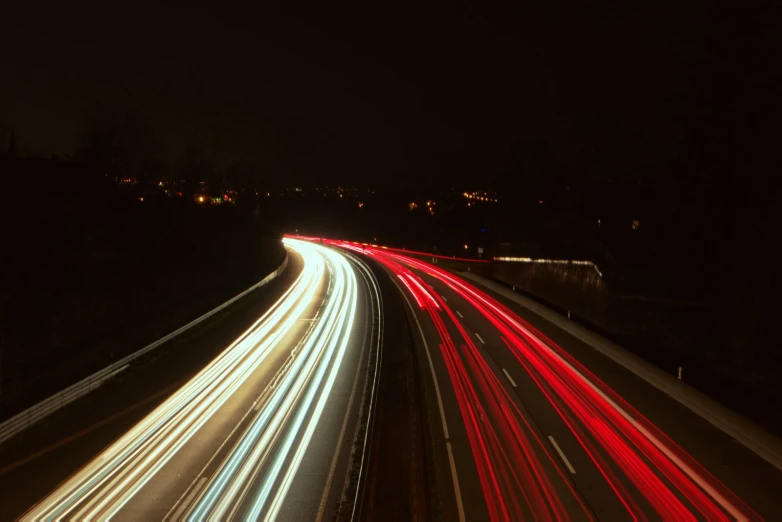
[
  {"x": 516, "y": 471},
  {"x": 642, "y": 466}
]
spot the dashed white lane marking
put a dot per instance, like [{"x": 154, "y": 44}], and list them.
[
  {"x": 459, "y": 314},
  {"x": 480, "y": 338},
  {"x": 509, "y": 377},
  {"x": 561, "y": 454},
  {"x": 456, "y": 489}
]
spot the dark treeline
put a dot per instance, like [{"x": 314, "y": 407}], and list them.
[{"x": 90, "y": 273}]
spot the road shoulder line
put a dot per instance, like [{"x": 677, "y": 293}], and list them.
[
  {"x": 451, "y": 462},
  {"x": 753, "y": 437}
]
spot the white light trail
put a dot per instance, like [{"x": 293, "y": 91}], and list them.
[
  {"x": 263, "y": 450},
  {"x": 102, "y": 487}
]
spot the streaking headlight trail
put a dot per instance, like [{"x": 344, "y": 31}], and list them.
[
  {"x": 261, "y": 466},
  {"x": 297, "y": 402}
]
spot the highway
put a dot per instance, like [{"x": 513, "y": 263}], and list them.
[
  {"x": 263, "y": 431},
  {"x": 529, "y": 431},
  {"x": 483, "y": 412}
]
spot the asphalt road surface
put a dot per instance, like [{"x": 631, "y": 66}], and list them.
[
  {"x": 264, "y": 430},
  {"x": 484, "y": 412},
  {"x": 532, "y": 427}
]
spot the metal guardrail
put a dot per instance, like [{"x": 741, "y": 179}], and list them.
[
  {"x": 376, "y": 339},
  {"x": 549, "y": 262},
  {"x": 30, "y": 416}
]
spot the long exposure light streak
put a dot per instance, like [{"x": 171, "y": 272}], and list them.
[
  {"x": 635, "y": 458},
  {"x": 301, "y": 392},
  {"x": 101, "y": 488},
  {"x": 515, "y": 481},
  {"x": 623, "y": 436}
]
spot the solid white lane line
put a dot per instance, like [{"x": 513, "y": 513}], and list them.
[
  {"x": 509, "y": 377},
  {"x": 562, "y": 455},
  {"x": 177, "y": 515},
  {"x": 196, "y": 483},
  {"x": 325, "y": 497},
  {"x": 459, "y": 314},
  {"x": 750, "y": 435},
  {"x": 444, "y": 299},
  {"x": 370, "y": 278},
  {"x": 456, "y": 489},
  {"x": 480, "y": 338},
  {"x": 337, "y": 347},
  {"x": 231, "y": 484},
  {"x": 120, "y": 369}
]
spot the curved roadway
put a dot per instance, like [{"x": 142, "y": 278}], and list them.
[
  {"x": 528, "y": 431},
  {"x": 260, "y": 433},
  {"x": 515, "y": 426}
]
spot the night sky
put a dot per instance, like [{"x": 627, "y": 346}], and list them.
[{"x": 450, "y": 92}]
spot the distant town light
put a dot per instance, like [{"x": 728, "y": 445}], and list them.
[
  {"x": 200, "y": 199},
  {"x": 466, "y": 246}
]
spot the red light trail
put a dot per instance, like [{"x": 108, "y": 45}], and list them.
[
  {"x": 515, "y": 468},
  {"x": 504, "y": 446}
]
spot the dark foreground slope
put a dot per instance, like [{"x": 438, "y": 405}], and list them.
[{"x": 90, "y": 273}]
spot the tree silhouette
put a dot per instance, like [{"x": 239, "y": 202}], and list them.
[
  {"x": 12, "y": 145},
  {"x": 116, "y": 143},
  {"x": 194, "y": 165}
]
